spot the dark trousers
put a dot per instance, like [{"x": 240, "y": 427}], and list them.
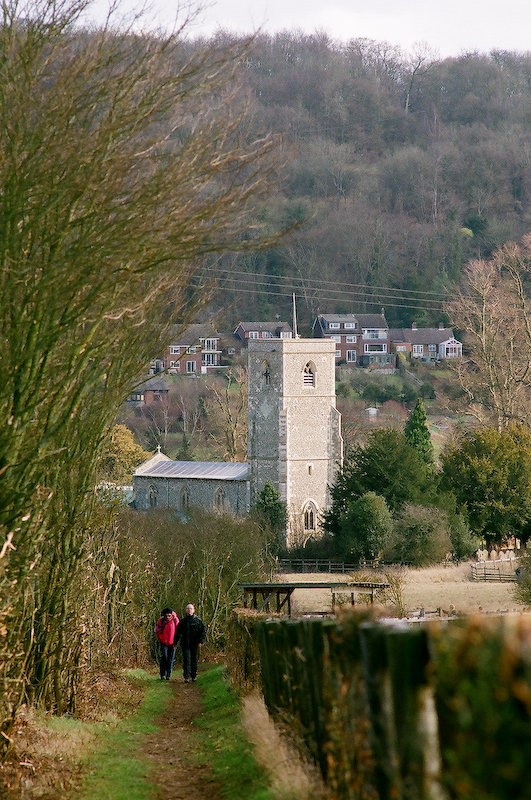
[
  {"x": 167, "y": 654},
  {"x": 189, "y": 662}
]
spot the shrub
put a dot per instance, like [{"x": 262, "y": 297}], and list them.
[
  {"x": 420, "y": 536},
  {"x": 365, "y": 528}
]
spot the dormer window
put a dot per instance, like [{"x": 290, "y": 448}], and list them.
[{"x": 309, "y": 374}]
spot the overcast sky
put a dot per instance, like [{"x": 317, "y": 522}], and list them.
[{"x": 450, "y": 27}]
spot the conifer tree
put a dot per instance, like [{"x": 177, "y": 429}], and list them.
[{"x": 417, "y": 432}]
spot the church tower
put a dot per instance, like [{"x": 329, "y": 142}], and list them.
[{"x": 294, "y": 427}]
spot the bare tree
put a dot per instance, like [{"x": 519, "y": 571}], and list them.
[
  {"x": 124, "y": 159},
  {"x": 492, "y": 309},
  {"x": 228, "y": 408}
]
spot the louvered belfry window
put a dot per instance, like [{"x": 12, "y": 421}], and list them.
[{"x": 309, "y": 375}]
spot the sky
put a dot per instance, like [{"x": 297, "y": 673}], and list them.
[{"x": 449, "y": 28}]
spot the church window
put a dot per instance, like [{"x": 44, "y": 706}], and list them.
[
  {"x": 185, "y": 498},
  {"x": 152, "y": 496},
  {"x": 219, "y": 499},
  {"x": 309, "y": 374},
  {"x": 310, "y": 517},
  {"x": 266, "y": 374},
  {"x": 310, "y": 469}
]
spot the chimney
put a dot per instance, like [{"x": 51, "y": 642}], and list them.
[
  {"x": 441, "y": 326},
  {"x": 413, "y": 326}
]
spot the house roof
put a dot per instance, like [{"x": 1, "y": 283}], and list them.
[
  {"x": 272, "y": 327},
  {"x": 372, "y": 320},
  {"x": 421, "y": 335},
  {"x": 360, "y": 320},
  {"x": 192, "y": 334},
  {"x": 204, "y": 470},
  {"x": 156, "y": 384},
  {"x": 339, "y": 317}
]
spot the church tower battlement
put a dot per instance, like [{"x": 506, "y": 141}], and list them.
[{"x": 294, "y": 427}]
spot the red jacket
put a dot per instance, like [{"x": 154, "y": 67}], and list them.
[{"x": 166, "y": 629}]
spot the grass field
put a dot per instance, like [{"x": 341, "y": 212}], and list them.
[{"x": 428, "y": 588}]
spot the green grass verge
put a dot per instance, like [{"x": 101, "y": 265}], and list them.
[
  {"x": 223, "y": 743},
  {"x": 116, "y": 770}
]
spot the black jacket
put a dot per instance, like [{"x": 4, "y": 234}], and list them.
[{"x": 190, "y": 631}]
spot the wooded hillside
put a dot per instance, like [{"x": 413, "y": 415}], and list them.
[{"x": 403, "y": 167}]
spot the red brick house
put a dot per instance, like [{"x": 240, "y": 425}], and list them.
[
  {"x": 155, "y": 390},
  {"x": 361, "y": 339},
  {"x": 194, "y": 350},
  {"x": 428, "y": 344}
]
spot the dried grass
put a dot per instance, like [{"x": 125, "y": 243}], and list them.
[
  {"x": 291, "y": 777},
  {"x": 426, "y": 587}
]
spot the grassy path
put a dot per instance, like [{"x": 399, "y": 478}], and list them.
[{"x": 185, "y": 741}]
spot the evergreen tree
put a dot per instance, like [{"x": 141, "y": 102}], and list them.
[
  {"x": 417, "y": 432},
  {"x": 490, "y": 476},
  {"x": 365, "y": 528},
  {"x": 185, "y": 452},
  {"x": 271, "y": 508}
]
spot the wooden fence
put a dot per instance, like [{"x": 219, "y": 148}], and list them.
[
  {"x": 331, "y": 565},
  {"x": 494, "y": 571},
  {"x": 410, "y": 712}
]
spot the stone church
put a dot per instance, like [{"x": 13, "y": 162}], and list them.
[{"x": 294, "y": 442}]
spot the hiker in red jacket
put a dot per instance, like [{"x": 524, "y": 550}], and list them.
[{"x": 166, "y": 629}]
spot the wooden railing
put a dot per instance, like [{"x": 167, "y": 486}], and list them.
[
  {"x": 503, "y": 571},
  {"x": 330, "y": 565}
]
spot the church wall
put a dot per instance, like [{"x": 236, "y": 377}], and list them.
[{"x": 201, "y": 493}]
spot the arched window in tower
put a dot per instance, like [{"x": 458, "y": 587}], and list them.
[
  {"x": 185, "y": 498},
  {"x": 219, "y": 499},
  {"x": 309, "y": 374},
  {"x": 310, "y": 517},
  {"x": 266, "y": 373},
  {"x": 152, "y": 497}
]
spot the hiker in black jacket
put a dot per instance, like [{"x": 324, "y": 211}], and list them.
[{"x": 191, "y": 634}]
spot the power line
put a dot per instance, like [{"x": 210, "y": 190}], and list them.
[
  {"x": 388, "y": 296},
  {"x": 333, "y": 295},
  {"x": 318, "y": 281},
  {"x": 287, "y": 295}
]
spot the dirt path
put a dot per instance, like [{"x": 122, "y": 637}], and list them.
[{"x": 171, "y": 750}]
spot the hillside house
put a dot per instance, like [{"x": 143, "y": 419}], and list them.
[
  {"x": 194, "y": 350},
  {"x": 263, "y": 330},
  {"x": 428, "y": 344},
  {"x": 361, "y": 339},
  {"x": 155, "y": 390}
]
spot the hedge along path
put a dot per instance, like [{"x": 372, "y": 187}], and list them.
[{"x": 153, "y": 754}]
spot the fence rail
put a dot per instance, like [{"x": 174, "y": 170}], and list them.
[
  {"x": 330, "y": 565},
  {"x": 503, "y": 571}
]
